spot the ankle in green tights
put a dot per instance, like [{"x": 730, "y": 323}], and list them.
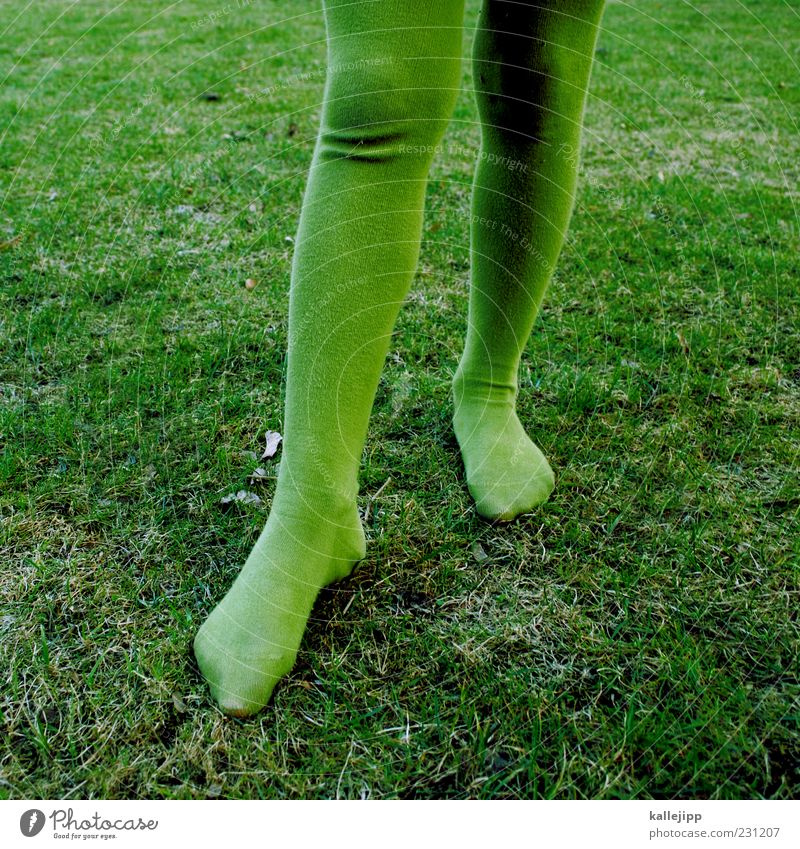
[{"x": 393, "y": 78}]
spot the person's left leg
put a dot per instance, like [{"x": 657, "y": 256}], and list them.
[{"x": 531, "y": 64}]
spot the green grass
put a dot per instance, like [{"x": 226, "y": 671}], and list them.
[{"x": 636, "y": 637}]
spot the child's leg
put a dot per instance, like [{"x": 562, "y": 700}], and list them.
[
  {"x": 393, "y": 78},
  {"x": 531, "y": 65}
]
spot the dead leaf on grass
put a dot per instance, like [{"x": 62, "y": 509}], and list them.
[
  {"x": 274, "y": 439},
  {"x": 242, "y": 496},
  {"x": 4, "y": 246}
]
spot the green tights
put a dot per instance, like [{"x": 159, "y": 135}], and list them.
[{"x": 394, "y": 69}]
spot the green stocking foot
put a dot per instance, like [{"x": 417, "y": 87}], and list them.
[
  {"x": 250, "y": 640},
  {"x": 507, "y": 474}
]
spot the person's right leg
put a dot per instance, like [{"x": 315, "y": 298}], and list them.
[
  {"x": 393, "y": 78},
  {"x": 531, "y": 65}
]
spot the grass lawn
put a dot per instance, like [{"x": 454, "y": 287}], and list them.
[{"x": 635, "y": 637}]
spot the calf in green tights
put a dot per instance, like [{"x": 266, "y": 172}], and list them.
[{"x": 393, "y": 78}]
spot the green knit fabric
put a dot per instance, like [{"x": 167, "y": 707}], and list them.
[{"x": 393, "y": 78}]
